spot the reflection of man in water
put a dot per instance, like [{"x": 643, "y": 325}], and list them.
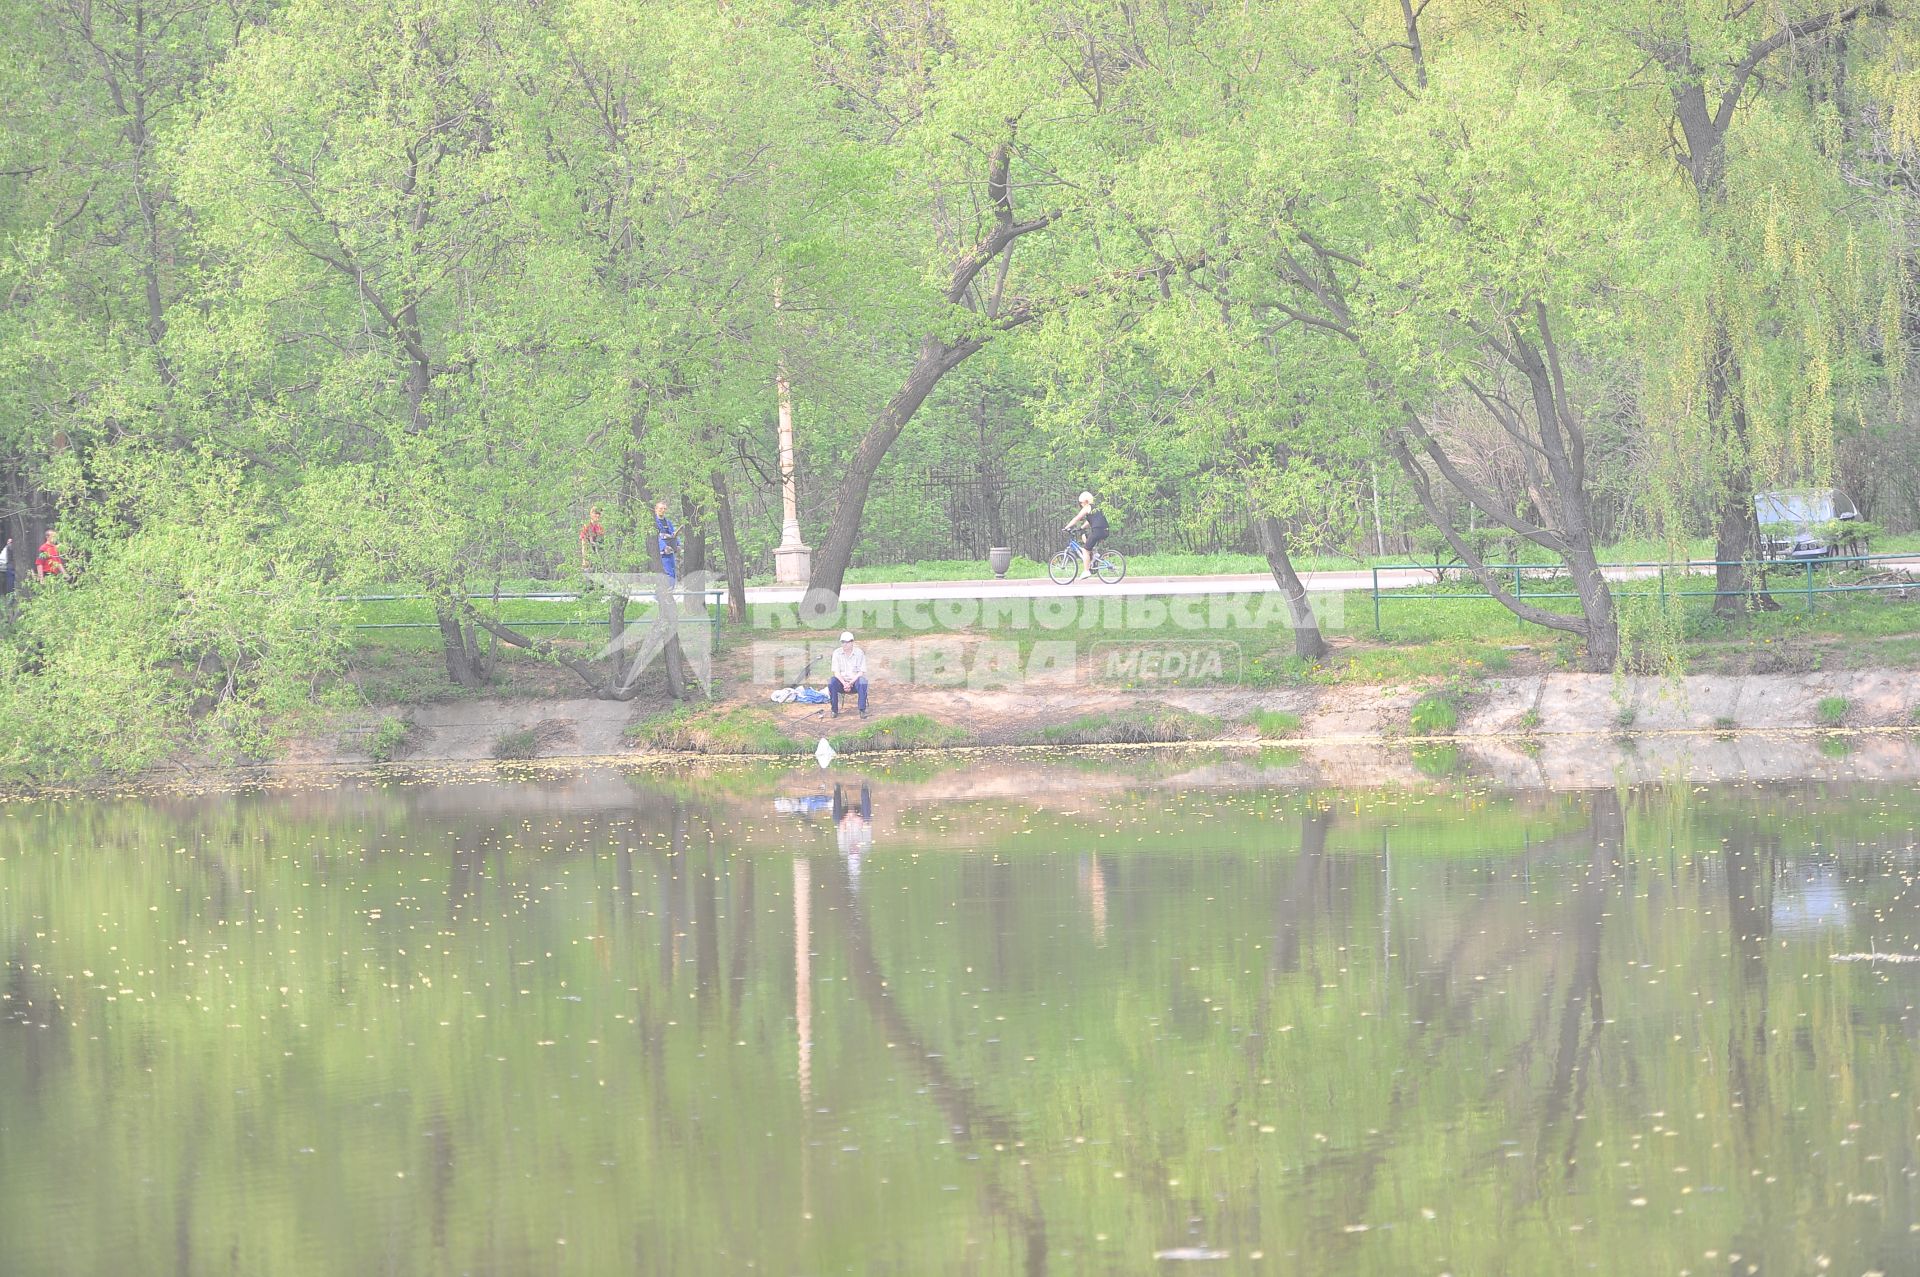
[{"x": 853, "y": 828}]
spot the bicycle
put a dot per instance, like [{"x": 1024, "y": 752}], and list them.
[{"x": 1064, "y": 567}]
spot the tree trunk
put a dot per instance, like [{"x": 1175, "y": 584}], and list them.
[
  {"x": 1596, "y": 606},
  {"x": 462, "y": 668},
  {"x": 1308, "y": 643},
  {"x": 693, "y": 539},
  {"x": 935, "y": 360},
  {"x": 1733, "y": 542},
  {"x": 1567, "y": 528},
  {"x": 665, "y": 611},
  {"x": 835, "y": 552},
  {"x": 730, "y": 549}
]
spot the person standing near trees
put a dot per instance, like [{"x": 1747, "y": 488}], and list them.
[
  {"x": 6, "y": 566},
  {"x": 669, "y": 542},
  {"x": 591, "y": 535},
  {"x": 49, "y": 563}
]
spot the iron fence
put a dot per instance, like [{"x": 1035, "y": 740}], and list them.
[
  {"x": 1802, "y": 578},
  {"x": 712, "y": 602}
]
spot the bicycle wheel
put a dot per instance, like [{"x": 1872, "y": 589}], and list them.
[
  {"x": 1112, "y": 568},
  {"x": 1063, "y": 567}
]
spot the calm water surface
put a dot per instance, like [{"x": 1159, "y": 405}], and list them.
[{"x": 606, "y": 1024}]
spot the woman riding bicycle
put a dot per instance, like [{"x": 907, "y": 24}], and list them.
[{"x": 1094, "y": 524}]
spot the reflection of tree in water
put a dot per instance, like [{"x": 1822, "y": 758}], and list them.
[
  {"x": 1305, "y": 900},
  {"x": 1339, "y": 1184},
  {"x": 968, "y": 1118},
  {"x": 1582, "y": 1009},
  {"x": 33, "y": 1024}
]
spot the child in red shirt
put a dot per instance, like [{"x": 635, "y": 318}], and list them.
[{"x": 49, "y": 563}]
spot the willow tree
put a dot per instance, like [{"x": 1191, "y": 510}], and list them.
[{"x": 1793, "y": 307}]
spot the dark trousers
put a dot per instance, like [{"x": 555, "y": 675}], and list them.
[{"x": 834, "y": 689}]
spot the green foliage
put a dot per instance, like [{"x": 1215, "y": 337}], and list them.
[
  {"x": 418, "y": 281},
  {"x": 1434, "y": 714},
  {"x": 389, "y": 739},
  {"x": 1437, "y": 761},
  {"x": 203, "y": 627},
  {"x": 1833, "y": 710},
  {"x": 521, "y": 744},
  {"x": 1273, "y": 723},
  {"x": 1652, "y": 635},
  {"x": 899, "y": 731},
  {"x": 740, "y": 730},
  {"x": 1141, "y": 724}
]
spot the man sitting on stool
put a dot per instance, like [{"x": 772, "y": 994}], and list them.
[{"x": 849, "y": 674}]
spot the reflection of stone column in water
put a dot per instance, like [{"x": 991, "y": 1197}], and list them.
[
  {"x": 803, "y": 1015},
  {"x": 803, "y": 973},
  {"x": 792, "y": 560},
  {"x": 1096, "y": 883}
]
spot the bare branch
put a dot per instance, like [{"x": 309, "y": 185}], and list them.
[
  {"x": 1422, "y": 490},
  {"x": 1490, "y": 505},
  {"x": 1786, "y": 35}
]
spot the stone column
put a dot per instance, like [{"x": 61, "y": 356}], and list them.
[{"x": 792, "y": 560}]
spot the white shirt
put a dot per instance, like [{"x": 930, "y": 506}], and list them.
[{"x": 849, "y": 663}]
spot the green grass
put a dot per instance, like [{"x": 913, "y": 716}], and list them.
[
  {"x": 1455, "y": 635},
  {"x": 1434, "y": 714},
  {"x": 1151, "y": 722},
  {"x": 899, "y": 731},
  {"x": 744, "y": 729},
  {"x": 389, "y": 740},
  {"x": 517, "y": 745},
  {"x": 1631, "y": 550},
  {"x": 1273, "y": 723},
  {"x": 1833, "y": 710}
]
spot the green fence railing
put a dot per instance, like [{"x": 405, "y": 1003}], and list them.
[
  {"x": 711, "y": 602},
  {"x": 1807, "y": 578}
]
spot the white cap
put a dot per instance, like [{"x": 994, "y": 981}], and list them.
[
  {"x": 1085, "y": 497},
  {"x": 846, "y": 636}
]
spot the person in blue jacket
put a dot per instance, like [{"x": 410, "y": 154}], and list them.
[{"x": 669, "y": 542}]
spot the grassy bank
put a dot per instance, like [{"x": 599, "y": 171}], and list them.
[{"x": 1451, "y": 637}]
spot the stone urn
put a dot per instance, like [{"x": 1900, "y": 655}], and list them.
[{"x": 1000, "y": 558}]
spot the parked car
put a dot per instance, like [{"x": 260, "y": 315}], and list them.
[{"x": 1806, "y": 523}]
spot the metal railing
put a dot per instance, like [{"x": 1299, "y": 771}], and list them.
[
  {"x": 713, "y": 601},
  {"x": 1801, "y": 574}
]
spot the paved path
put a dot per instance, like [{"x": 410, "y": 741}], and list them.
[{"x": 1226, "y": 583}]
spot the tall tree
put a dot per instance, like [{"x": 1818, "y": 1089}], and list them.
[
  {"x": 1014, "y": 116},
  {"x": 1721, "y": 64}
]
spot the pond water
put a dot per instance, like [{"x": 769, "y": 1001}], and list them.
[{"x": 1095, "y": 1017}]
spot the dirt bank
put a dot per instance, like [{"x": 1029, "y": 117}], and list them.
[{"x": 1531, "y": 710}]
